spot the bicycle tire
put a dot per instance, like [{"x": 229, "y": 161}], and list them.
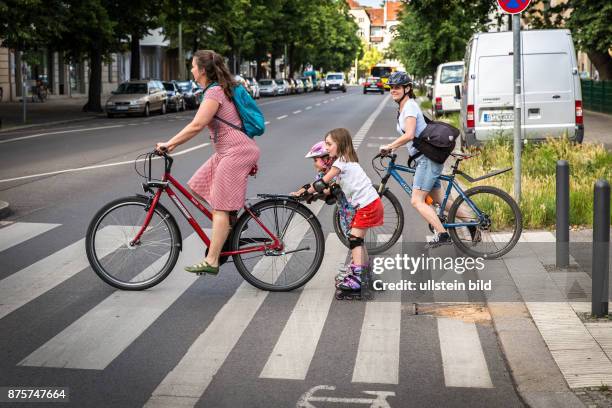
[
  {"x": 247, "y": 224},
  {"x": 97, "y": 258},
  {"x": 516, "y": 212},
  {"x": 374, "y": 246}
]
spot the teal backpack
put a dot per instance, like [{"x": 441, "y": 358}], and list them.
[{"x": 253, "y": 122}]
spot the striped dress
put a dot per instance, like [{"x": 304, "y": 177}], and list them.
[{"x": 222, "y": 180}]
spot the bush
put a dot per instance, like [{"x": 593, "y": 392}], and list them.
[{"x": 588, "y": 162}]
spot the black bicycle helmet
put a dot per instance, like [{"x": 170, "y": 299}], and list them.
[{"x": 399, "y": 78}]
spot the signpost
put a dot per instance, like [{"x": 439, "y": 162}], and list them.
[{"x": 516, "y": 7}]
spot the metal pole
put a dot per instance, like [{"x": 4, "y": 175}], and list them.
[
  {"x": 516, "y": 34},
  {"x": 24, "y": 93},
  {"x": 601, "y": 248},
  {"x": 563, "y": 194}
]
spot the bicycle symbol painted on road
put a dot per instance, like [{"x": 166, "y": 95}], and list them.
[{"x": 379, "y": 400}]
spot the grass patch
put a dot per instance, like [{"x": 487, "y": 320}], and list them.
[
  {"x": 588, "y": 162},
  {"x": 426, "y": 105},
  {"x": 451, "y": 118}
]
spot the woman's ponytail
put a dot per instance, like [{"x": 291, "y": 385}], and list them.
[{"x": 216, "y": 70}]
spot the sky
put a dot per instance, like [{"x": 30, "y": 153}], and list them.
[{"x": 371, "y": 3}]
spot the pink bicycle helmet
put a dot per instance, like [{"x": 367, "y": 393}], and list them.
[{"x": 317, "y": 150}]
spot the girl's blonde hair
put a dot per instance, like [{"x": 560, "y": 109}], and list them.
[{"x": 344, "y": 141}]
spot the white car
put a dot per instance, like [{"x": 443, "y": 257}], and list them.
[
  {"x": 334, "y": 81},
  {"x": 448, "y": 75},
  {"x": 267, "y": 87}
]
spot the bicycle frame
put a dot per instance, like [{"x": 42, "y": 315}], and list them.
[
  {"x": 164, "y": 186},
  {"x": 393, "y": 170}
]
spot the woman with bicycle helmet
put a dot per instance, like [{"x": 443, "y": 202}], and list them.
[
  {"x": 410, "y": 125},
  {"x": 222, "y": 180}
]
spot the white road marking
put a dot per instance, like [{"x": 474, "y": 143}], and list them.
[
  {"x": 93, "y": 341},
  {"x": 19, "y": 232},
  {"x": 308, "y": 107},
  {"x": 266, "y": 122},
  {"x": 380, "y": 400},
  {"x": 378, "y": 354},
  {"x": 318, "y": 104},
  {"x": 185, "y": 384},
  {"x": 361, "y": 133},
  {"x": 281, "y": 117},
  {"x": 98, "y": 166},
  {"x": 296, "y": 112},
  {"x": 296, "y": 345},
  {"x": 463, "y": 360},
  {"x": 58, "y": 133},
  {"x": 326, "y": 101},
  {"x": 24, "y": 286}
]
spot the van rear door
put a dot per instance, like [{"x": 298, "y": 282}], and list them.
[
  {"x": 548, "y": 95},
  {"x": 493, "y": 108}
]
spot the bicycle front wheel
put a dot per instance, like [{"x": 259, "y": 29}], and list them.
[
  {"x": 499, "y": 228},
  {"x": 302, "y": 237},
  {"x": 379, "y": 239},
  {"x": 120, "y": 262}
]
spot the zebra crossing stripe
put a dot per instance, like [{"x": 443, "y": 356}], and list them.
[
  {"x": 463, "y": 360},
  {"x": 24, "y": 286},
  {"x": 296, "y": 346},
  {"x": 379, "y": 343},
  {"x": 185, "y": 384},
  {"x": 98, "y": 337},
  {"x": 19, "y": 232}
]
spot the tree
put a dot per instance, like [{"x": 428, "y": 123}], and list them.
[
  {"x": 435, "y": 31},
  {"x": 370, "y": 58},
  {"x": 589, "y": 22}
]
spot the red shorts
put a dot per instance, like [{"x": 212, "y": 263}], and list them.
[{"x": 372, "y": 215}]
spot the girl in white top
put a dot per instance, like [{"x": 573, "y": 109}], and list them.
[{"x": 358, "y": 189}]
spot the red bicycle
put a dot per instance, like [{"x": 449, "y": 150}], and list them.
[{"x": 133, "y": 243}]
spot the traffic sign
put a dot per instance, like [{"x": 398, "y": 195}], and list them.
[{"x": 513, "y": 6}]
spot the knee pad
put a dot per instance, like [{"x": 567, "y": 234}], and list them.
[{"x": 354, "y": 241}]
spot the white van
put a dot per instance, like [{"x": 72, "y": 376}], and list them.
[
  {"x": 551, "y": 93},
  {"x": 448, "y": 75},
  {"x": 334, "y": 81}
]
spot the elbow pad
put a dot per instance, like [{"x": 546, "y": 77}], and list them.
[{"x": 320, "y": 186}]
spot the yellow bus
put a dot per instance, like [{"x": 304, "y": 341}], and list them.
[{"x": 383, "y": 72}]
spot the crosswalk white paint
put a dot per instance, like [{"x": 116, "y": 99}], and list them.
[
  {"x": 379, "y": 343},
  {"x": 26, "y": 285},
  {"x": 98, "y": 337},
  {"x": 186, "y": 383},
  {"x": 296, "y": 346},
  {"x": 463, "y": 360},
  {"x": 19, "y": 232}
]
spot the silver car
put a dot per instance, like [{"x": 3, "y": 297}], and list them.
[
  {"x": 283, "y": 86},
  {"x": 267, "y": 87},
  {"x": 141, "y": 97}
]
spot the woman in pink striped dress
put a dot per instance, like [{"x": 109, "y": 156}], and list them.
[{"x": 222, "y": 180}]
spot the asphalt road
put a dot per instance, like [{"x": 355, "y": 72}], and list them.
[{"x": 216, "y": 342}]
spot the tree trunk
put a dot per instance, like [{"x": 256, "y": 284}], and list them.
[
  {"x": 95, "y": 82},
  {"x": 291, "y": 57},
  {"x": 273, "y": 66},
  {"x": 603, "y": 63},
  {"x": 135, "y": 57}
]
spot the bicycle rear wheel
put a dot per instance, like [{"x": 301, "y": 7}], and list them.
[
  {"x": 126, "y": 265},
  {"x": 304, "y": 245},
  {"x": 499, "y": 230},
  {"x": 379, "y": 239}
]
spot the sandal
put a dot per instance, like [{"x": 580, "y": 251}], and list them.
[{"x": 203, "y": 267}]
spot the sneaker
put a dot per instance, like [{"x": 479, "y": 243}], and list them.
[
  {"x": 351, "y": 282},
  {"x": 439, "y": 240}
]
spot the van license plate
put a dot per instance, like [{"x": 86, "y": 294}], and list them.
[{"x": 506, "y": 116}]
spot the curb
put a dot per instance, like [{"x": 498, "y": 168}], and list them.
[
  {"x": 536, "y": 376},
  {"x": 5, "y": 209}
]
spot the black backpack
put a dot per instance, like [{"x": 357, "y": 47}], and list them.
[{"x": 436, "y": 142}]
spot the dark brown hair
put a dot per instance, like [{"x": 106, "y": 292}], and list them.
[
  {"x": 214, "y": 66},
  {"x": 344, "y": 141},
  {"x": 410, "y": 91}
]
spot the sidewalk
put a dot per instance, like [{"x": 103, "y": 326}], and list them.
[
  {"x": 598, "y": 128},
  {"x": 557, "y": 354},
  {"x": 52, "y": 111}
]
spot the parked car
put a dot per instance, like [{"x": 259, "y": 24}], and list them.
[
  {"x": 448, "y": 75},
  {"x": 141, "y": 97},
  {"x": 307, "y": 84},
  {"x": 283, "y": 86},
  {"x": 267, "y": 87},
  {"x": 373, "y": 84},
  {"x": 299, "y": 86},
  {"x": 174, "y": 99},
  {"x": 191, "y": 93},
  {"x": 254, "y": 87},
  {"x": 291, "y": 83},
  {"x": 429, "y": 87},
  {"x": 334, "y": 81},
  {"x": 551, "y": 93},
  {"x": 321, "y": 84},
  {"x": 242, "y": 81}
]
